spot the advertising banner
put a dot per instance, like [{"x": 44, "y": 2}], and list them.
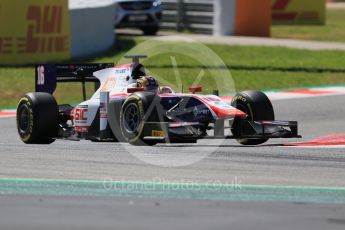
[
  {"x": 299, "y": 12},
  {"x": 34, "y": 31}
]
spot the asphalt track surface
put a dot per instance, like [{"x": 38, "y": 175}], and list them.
[{"x": 299, "y": 168}]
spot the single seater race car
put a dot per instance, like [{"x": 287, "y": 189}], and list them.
[{"x": 129, "y": 106}]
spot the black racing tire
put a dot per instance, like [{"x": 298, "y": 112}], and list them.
[
  {"x": 37, "y": 118},
  {"x": 133, "y": 116},
  {"x": 150, "y": 30},
  {"x": 257, "y": 106}
]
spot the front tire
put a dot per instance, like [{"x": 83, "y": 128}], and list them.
[
  {"x": 257, "y": 106},
  {"x": 37, "y": 118},
  {"x": 132, "y": 120}
]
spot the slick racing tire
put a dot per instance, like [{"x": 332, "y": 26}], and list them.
[
  {"x": 132, "y": 119},
  {"x": 258, "y": 108},
  {"x": 37, "y": 118}
]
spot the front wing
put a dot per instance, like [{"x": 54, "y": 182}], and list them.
[{"x": 190, "y": 132}]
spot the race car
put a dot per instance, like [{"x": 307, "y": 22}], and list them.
[{"x": 129, "y": 106}]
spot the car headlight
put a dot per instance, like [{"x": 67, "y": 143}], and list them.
[{"x": 156, "y": 3}]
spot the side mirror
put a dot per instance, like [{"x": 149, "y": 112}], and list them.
[{"x": 195, "y": 89}]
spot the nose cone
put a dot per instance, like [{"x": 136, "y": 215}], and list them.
[
  {"x": 229, "y": 113},
  {"x": 221, "y": 108}
]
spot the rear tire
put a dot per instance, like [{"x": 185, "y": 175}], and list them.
[
  {"x": 37, "y": 118},
  {"x": 257, "y": 106}
]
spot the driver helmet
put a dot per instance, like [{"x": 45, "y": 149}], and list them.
[{"x": 148, "y": 83}]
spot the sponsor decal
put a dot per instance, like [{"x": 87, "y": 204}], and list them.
[
  {"x": 103, "y": 113},
  {"x": 80, "y": 115},
  {"x": 109, "y": 84},
  {"x": 158, "y": 133},
  {"x": 121, "y": 71},
  {"x": 200, "y": 112},
  {"x": 82, "y": 129},
  {"x": 39, "y": 31},
  {"x": 40, "y": 75},
  {"x": 298, "y": 11}
]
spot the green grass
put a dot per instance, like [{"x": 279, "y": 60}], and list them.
[
  {"x": 250, "y": 68},
  {"x": 254, "y": 80},
  {"x": 334, "y": 30}
]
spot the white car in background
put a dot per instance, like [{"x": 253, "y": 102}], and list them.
[{"x": 143, "y": 14}]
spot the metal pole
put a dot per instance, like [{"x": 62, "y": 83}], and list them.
[
  {"x": 84, "y": 89},
  {"x": 180, "y": 17}
]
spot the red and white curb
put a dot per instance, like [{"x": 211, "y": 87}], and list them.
[
  {"x": 329, "y": 141},
  {"x": 306, "y": 93},
  {"x": 7, "y": 113},
  {"x": 300, "y": 93}
]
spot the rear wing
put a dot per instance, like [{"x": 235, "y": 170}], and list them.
[{"x": 48, "y": 75}]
